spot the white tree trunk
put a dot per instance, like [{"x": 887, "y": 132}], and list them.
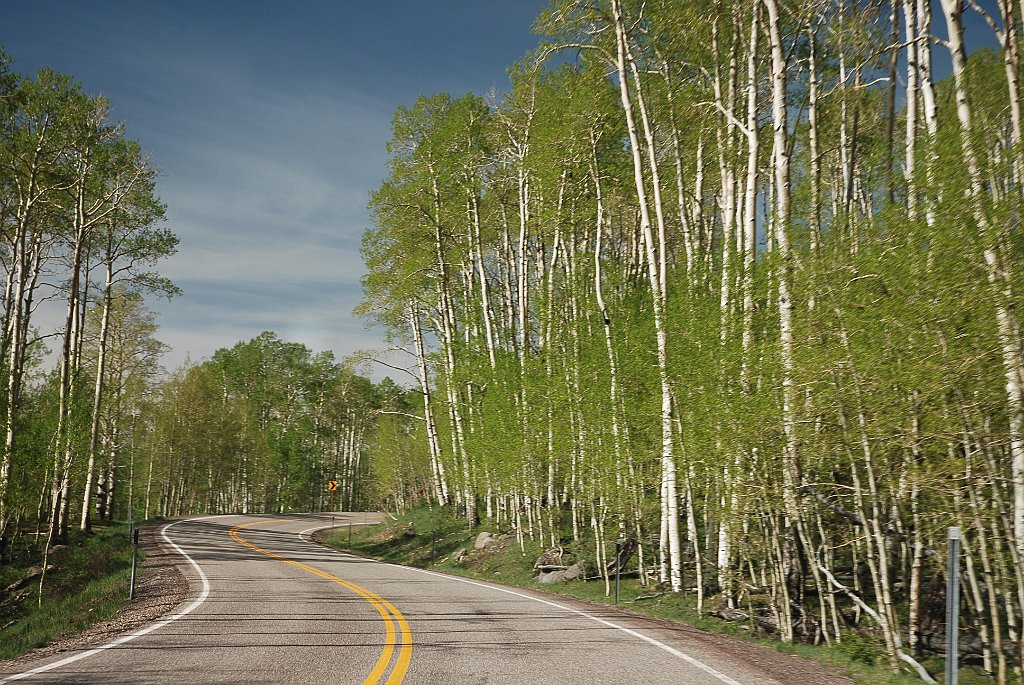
[
  {"x": 1007, "y": 326},
  {"x": 97, "y": 399},
  {"x": 782, "y": 219},
  {"x": 670, "y": 502},
  {"x": 434, "y": 445},
  {"x": 910, "y": 27}
]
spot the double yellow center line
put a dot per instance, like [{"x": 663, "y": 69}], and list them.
[{"x": 388, "y": 613}]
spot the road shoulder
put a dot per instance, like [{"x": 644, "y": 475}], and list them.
[{"x": 161, "y": 587}]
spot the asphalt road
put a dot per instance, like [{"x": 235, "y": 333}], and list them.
[{"x": 270, "y": 606}]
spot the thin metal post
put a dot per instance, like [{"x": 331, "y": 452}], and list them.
[
  {"x": 350, "y": 535},
  {"x": 953, "y": 606},
  {"x": 618, "y": 568},
  {"x": 131, "y": 479},
  {"x": 135, "y": 556},
  {"x": 433, "y": 544}
]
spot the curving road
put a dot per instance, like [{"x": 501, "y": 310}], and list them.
[{"x": 270, "y": 606}]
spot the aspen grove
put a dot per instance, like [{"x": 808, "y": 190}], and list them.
[
  {"x": 738, "y": 282},
  {"x": 81, "y": 232}
]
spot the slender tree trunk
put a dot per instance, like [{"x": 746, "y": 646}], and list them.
[
  {"x": 97, "y": 398},
  {"x": 780, "y": 158},
  {"x": 909, "y": 165},
  {"x": 670, "y": 500},
  {"x": 998, "y": 275},
  {"x": 434, "y": 445}
]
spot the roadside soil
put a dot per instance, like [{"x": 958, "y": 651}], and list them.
[
  {"x": 784, "y": 668},
  {"x": 160, "y": 586}
]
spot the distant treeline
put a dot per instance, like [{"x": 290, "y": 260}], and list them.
[{"x": 265, "y": 426}]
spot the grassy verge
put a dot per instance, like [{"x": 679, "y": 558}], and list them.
[
  {"x": 434, "y": 538},
  {"x": 87, "y": 584}
]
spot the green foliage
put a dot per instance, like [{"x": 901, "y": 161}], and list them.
[
  {"x": 512, "y": 238},
  {"x": 89, "y": 584},
  {"x": 81, "y": 224},
  {"x": 265, "y": 425}
]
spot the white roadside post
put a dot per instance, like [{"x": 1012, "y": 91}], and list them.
[{"x": 952, "y": 605}]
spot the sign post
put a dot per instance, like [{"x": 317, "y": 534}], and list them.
[
  {"x": 953, "y": 605},
  {"x": 135, "y": 556}
]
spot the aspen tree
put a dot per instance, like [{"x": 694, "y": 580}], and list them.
[
  {"x": 436, "y": 462},
  {"x": 998, "y": 277},
  {"x": 670, "y": 499},
  {"x": 910, "y": 163},
  {"x": 38, "y": 175},
  {"x": 781, "y": 220},
  {"x": 130, "y": 242}
]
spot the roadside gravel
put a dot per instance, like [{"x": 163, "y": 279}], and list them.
[{"x": 160, "y": 587}]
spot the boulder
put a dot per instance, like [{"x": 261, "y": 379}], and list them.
[
  {"x": 728, "y": 614},
  {"x": 482, "y": 539},
  {"x": 551, "y": 557},
  {"x": 550, "y": 577},
  {"x": 32, "y": 574},
  {"x": 573, "y": 572},
  {"x": 559, "y": 575},
  {"x": 17, "y": 597}
]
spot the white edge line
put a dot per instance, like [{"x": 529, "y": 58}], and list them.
[
  {"x": 301, "y": 533},
  {"x": 138, "y": 633},
  {"x": 650, "y": 640}
]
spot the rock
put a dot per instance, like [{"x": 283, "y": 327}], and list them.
[
  {"x": 766, "y": 624},
  {"x": 551, "y": 557},
  {"x": 727, "y": 614},
  {"x": 573, "y": 572},
  {"x": 550, "y": 577},
  {"x": 559, "y": 575},
  {"x": 32, "y": 574},
  {"x": 15, "y": 598},
  {"x": 482, "y": 539},
  {"x": 458, "y": 556}
]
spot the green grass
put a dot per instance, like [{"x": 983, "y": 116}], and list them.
[
  {"x": 88, "y": 585},
  {"x": 410, "y": 538}
]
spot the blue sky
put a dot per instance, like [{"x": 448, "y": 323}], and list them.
[{"x": 268, "y": 121}]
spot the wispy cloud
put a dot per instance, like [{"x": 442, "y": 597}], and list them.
[{"x": 269, "y": 125}]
